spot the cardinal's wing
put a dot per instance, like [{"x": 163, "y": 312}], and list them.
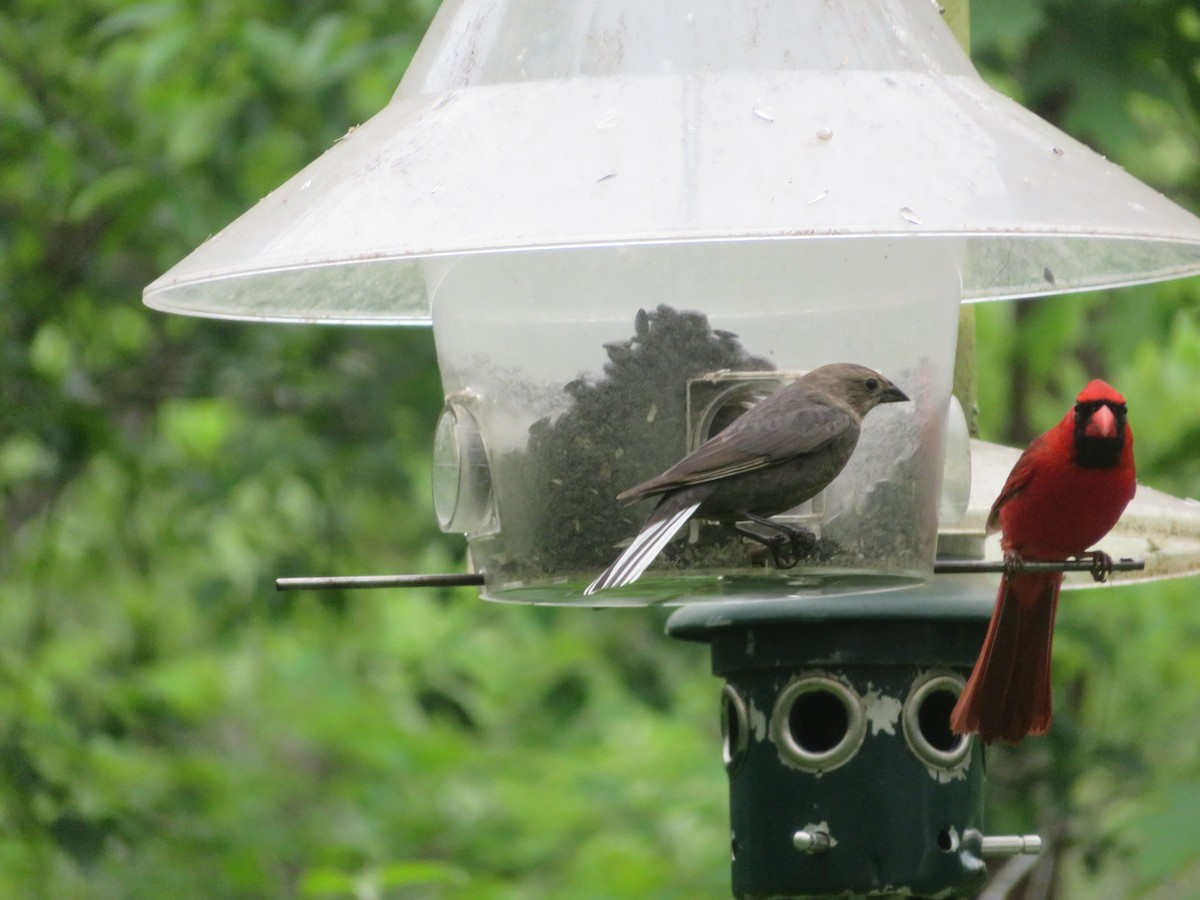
[{"x": 1018, "y": 479}]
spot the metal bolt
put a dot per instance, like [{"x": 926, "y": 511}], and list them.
[
  {"x": 1012, "y": 845},
  {"x": 813, "y": 839}
]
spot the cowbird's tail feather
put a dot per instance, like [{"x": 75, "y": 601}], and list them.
[{"x": 655, "y": 534}]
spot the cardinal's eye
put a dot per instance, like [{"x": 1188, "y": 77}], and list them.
[{"x": 872, "y": 384}]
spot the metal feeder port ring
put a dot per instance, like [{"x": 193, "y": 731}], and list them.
[
  {"x": 462, "y": 481},
  {"x": 926, "y": 721},
  {"x": 735, "y": 727},
  {"x": 818, "y": 723}
]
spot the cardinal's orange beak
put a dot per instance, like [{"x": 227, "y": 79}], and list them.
[{"x": 1102, "y": 424}]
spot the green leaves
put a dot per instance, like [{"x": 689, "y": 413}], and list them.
[
  {"x": 199, "y": 430},
  {"x": 168, "y": 720},
  {"x": 376, "y": 882}
]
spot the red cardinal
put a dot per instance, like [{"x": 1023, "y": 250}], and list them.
[{"x": 1063, "y": 495}]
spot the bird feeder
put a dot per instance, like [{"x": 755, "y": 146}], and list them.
[
  {"x": 844, "y": 776},
  {"x": 627, "y": 221}
]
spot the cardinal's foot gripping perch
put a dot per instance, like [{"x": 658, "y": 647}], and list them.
[
  {"x": 1014, "y": 564},
  {"x": 1102, "y": 564}
]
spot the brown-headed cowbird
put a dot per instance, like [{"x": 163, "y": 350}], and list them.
[{"x": 782, "y": 451}]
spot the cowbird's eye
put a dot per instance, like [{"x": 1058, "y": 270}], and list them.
[{"x": 872, "y": 384}]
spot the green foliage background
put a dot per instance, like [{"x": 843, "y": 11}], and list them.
[{"x": 171, "y": 726}]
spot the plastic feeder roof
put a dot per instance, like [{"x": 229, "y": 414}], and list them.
[{"x": 534, "y": 124}]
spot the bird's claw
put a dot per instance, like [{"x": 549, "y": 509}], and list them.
[
  {"x": 1102, "y": 565},
  {"x": 801, "y": 543},
  {"x": 778, "y": 545},
  {"x": 783, "y": 559},
  {"x": 786, "y": 545},
  {"x": 804, "y": 543},
  {"x": 1014, "y": 564}
]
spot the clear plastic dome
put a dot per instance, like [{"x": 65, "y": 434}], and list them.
[{"x": 537, "y": 124}]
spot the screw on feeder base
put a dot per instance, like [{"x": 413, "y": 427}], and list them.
[{"x": 813, "y": 839}]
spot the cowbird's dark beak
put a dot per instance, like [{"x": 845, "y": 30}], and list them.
[{"x": 893, "y": 394}]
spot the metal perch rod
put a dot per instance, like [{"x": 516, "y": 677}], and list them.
[
  {"x": 473, "y": 579},
  {"x": 352, "y": 582},
  {"x": 963, "y": 566}
]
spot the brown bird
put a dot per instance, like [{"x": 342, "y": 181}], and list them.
[
  {"x": 1065, "y": 493},
  {"x": 785, "y": 449}
]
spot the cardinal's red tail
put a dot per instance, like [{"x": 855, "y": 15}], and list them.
[{"x": 1008, "y": 693}]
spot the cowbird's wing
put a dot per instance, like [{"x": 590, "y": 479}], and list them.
[{"x": 784, "y": 426}]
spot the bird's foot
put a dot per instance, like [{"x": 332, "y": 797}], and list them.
[
  {"x": 801, "y": 543},
  {"x": 783, "y": 552},
  {"x": 1014, "y": 564},
  {"x": 777, "y": 543},
  {"x": 804, "y": 543},
  {"x": 1102, "y": 564}
]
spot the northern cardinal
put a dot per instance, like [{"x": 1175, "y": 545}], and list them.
[
  {"x": 779, "y": 453},
  {"x": 1064, "y": 494}
]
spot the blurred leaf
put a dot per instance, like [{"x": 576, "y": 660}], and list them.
[
  {"x": 200, "y": 429},
  {"x": 108, "y": 189},
  {"x": 1005, "y": 24},
  {"x": 51, "y": 352},
  {"x": 1167, "y": 832}
]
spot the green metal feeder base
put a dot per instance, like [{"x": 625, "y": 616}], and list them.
[{"x": 844, "y": 777}]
